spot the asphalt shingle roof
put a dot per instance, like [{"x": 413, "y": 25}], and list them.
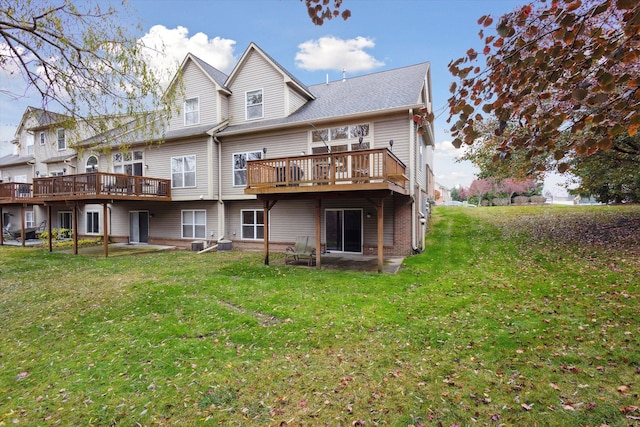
[{"x": 386, "y": 90}]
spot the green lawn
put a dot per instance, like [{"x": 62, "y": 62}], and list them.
[{"x": 512, "y": 316}]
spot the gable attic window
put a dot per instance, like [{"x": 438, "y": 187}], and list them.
[
  {"x": 42, "y": 138},
  {"x": 191, "y": 111},
  {"x": 62, "y": 141},
  {"x": 254, "y": 105}
]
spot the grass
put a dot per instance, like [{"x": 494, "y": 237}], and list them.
[{"x": 512, "y": 316}]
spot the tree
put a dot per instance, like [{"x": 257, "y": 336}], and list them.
[
  {"x": 564, "y": 65},
  {"x": 611, "y": 175},
  {"x": 485, "y": 154},
  {"x": 319, "y": 10},
  {"x": 480, "y": 188},
  {"x": 79, "y": 59}
]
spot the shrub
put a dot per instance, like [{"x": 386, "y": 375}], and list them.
[{"x": 520, "y": 200}]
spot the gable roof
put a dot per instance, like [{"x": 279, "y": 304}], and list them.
[
  {"x": 216, "y": 76},
  {"x": 392, "y": 90},
  {"x": 43, "y": 118},
  {"x": 288, "y": 77}
]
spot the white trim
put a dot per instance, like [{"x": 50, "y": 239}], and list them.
[
  {"x": 184, "y": 114},
  {"x": 255, "y": 224},
  {"x": 195, "y": 171},
  {"x": 246, "y": 105},
  {"x": 86, "y": 222},
  {"x": 193, "y": 225}
]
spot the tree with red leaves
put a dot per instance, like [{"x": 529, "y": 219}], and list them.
[{"x": 552, "y": 67}]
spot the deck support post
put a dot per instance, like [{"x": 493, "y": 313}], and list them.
[
  {"x": 75, "y": 229},
  {"x": 49, "y": 237},
  {"x": 267, "y": 207},
  {"x": 318, "y": 222},
  {"x": 380, "y": 210},
  {"x": 105, "y": 231},
  {"x": 22, "y": 224}
]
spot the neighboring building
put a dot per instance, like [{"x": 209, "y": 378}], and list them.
[
  {"x": 443, "y": 194},
  {"x": 340, "y": 160}
]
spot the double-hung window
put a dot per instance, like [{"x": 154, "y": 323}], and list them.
[
  {"x": 194, "y": 224},
  {"x": 191, "y": 111},
  {"x": 62, "y": 141},
  {"x": 93, "y": 222},
  {"x": 240, "y": 166},
  {"x": 42, "y": 138},
  {"x": 252, "y": 224},
  {"x": 254, "y": 105},
  {"x": 183, "y": 171}
]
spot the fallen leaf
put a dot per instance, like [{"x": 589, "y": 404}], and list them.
[
  {"x": 554, "y": 386},
  {"x": 526, "y": 407},
  {"x": 623, "y": 388}
]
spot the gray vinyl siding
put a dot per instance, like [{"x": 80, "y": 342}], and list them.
[
  {"x": 256, "y": 74},
  {"x": 277, "y": 146},
  {"x": 397, "y": 130},
  {"x": 196, "y": 85},
  {"x": 295, "y": 100},
  {"x": 158, "y": 160},
  {"x": 166, "y": 222},
  {"x": 291, "y": 218}
]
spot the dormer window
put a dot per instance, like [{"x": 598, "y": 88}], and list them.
[
  {"x": 254, "y": 105},
  {"x": 191, "y": 111}
]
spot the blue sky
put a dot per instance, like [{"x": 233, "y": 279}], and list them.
[{"x": 380, "y": 35}]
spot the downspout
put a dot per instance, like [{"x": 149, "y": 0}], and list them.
[
  {"x": 221, "y": 218},
  {"x": 412, "y": 163}
]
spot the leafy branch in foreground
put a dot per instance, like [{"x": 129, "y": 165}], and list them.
[
  {"x": 565, "y": 65},
  {"x": 319, "y": 10},
  {"x": 79, "y": 58}
]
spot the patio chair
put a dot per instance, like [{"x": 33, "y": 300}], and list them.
[
  {"x": 304, "y": 248},
  {"x": 10, "y": 234}
]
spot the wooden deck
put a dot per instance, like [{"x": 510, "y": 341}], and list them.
[
  {"x": 86, "y": 186},
  {"x": 377, "y": 169},
  {"x": 15, "y": 192}
]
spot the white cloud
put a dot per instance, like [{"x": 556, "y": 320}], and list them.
[
  {"x": 446, "y": 149},
  {"x": 167, "y": 48},
  {"x": 331, "y": 53}
]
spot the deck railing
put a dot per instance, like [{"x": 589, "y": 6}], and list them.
[
  {"x": 100, "y": 184},
  {"x": 15, "y": 191},
  {"x": 348, "y": 167}
]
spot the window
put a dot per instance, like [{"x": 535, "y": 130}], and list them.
[
  {"x": 30, "y": 143},
  {"x": 254, "y": 105},
  {"x": 194, "y": 224},
  {"x": 183, "y": 171},
  {"x": 29, "y": 220},
  {"x": 62, "y": 142},
  {"x": 320, "y": 137},
  {"x": 93, "y": 222},
  {"x": 420, "y": 158},
  {"x": 240, "y": 166},
  {"x": 129, "y": 163},
  {"x": 252, "y": 224},
  {"x": 92, "y": 164},
  {"x": 42, "y": 138},
  {"x": 191, "y": 111}
]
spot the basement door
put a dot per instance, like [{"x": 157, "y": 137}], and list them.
[
  {"x": 343, "y": 230},
  {"x": 138, "y": 227}
]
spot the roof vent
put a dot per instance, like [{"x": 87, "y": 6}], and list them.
[{"x": 344, "y": 75}]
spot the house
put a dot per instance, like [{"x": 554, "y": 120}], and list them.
[{"x": 256, "y": 153}]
